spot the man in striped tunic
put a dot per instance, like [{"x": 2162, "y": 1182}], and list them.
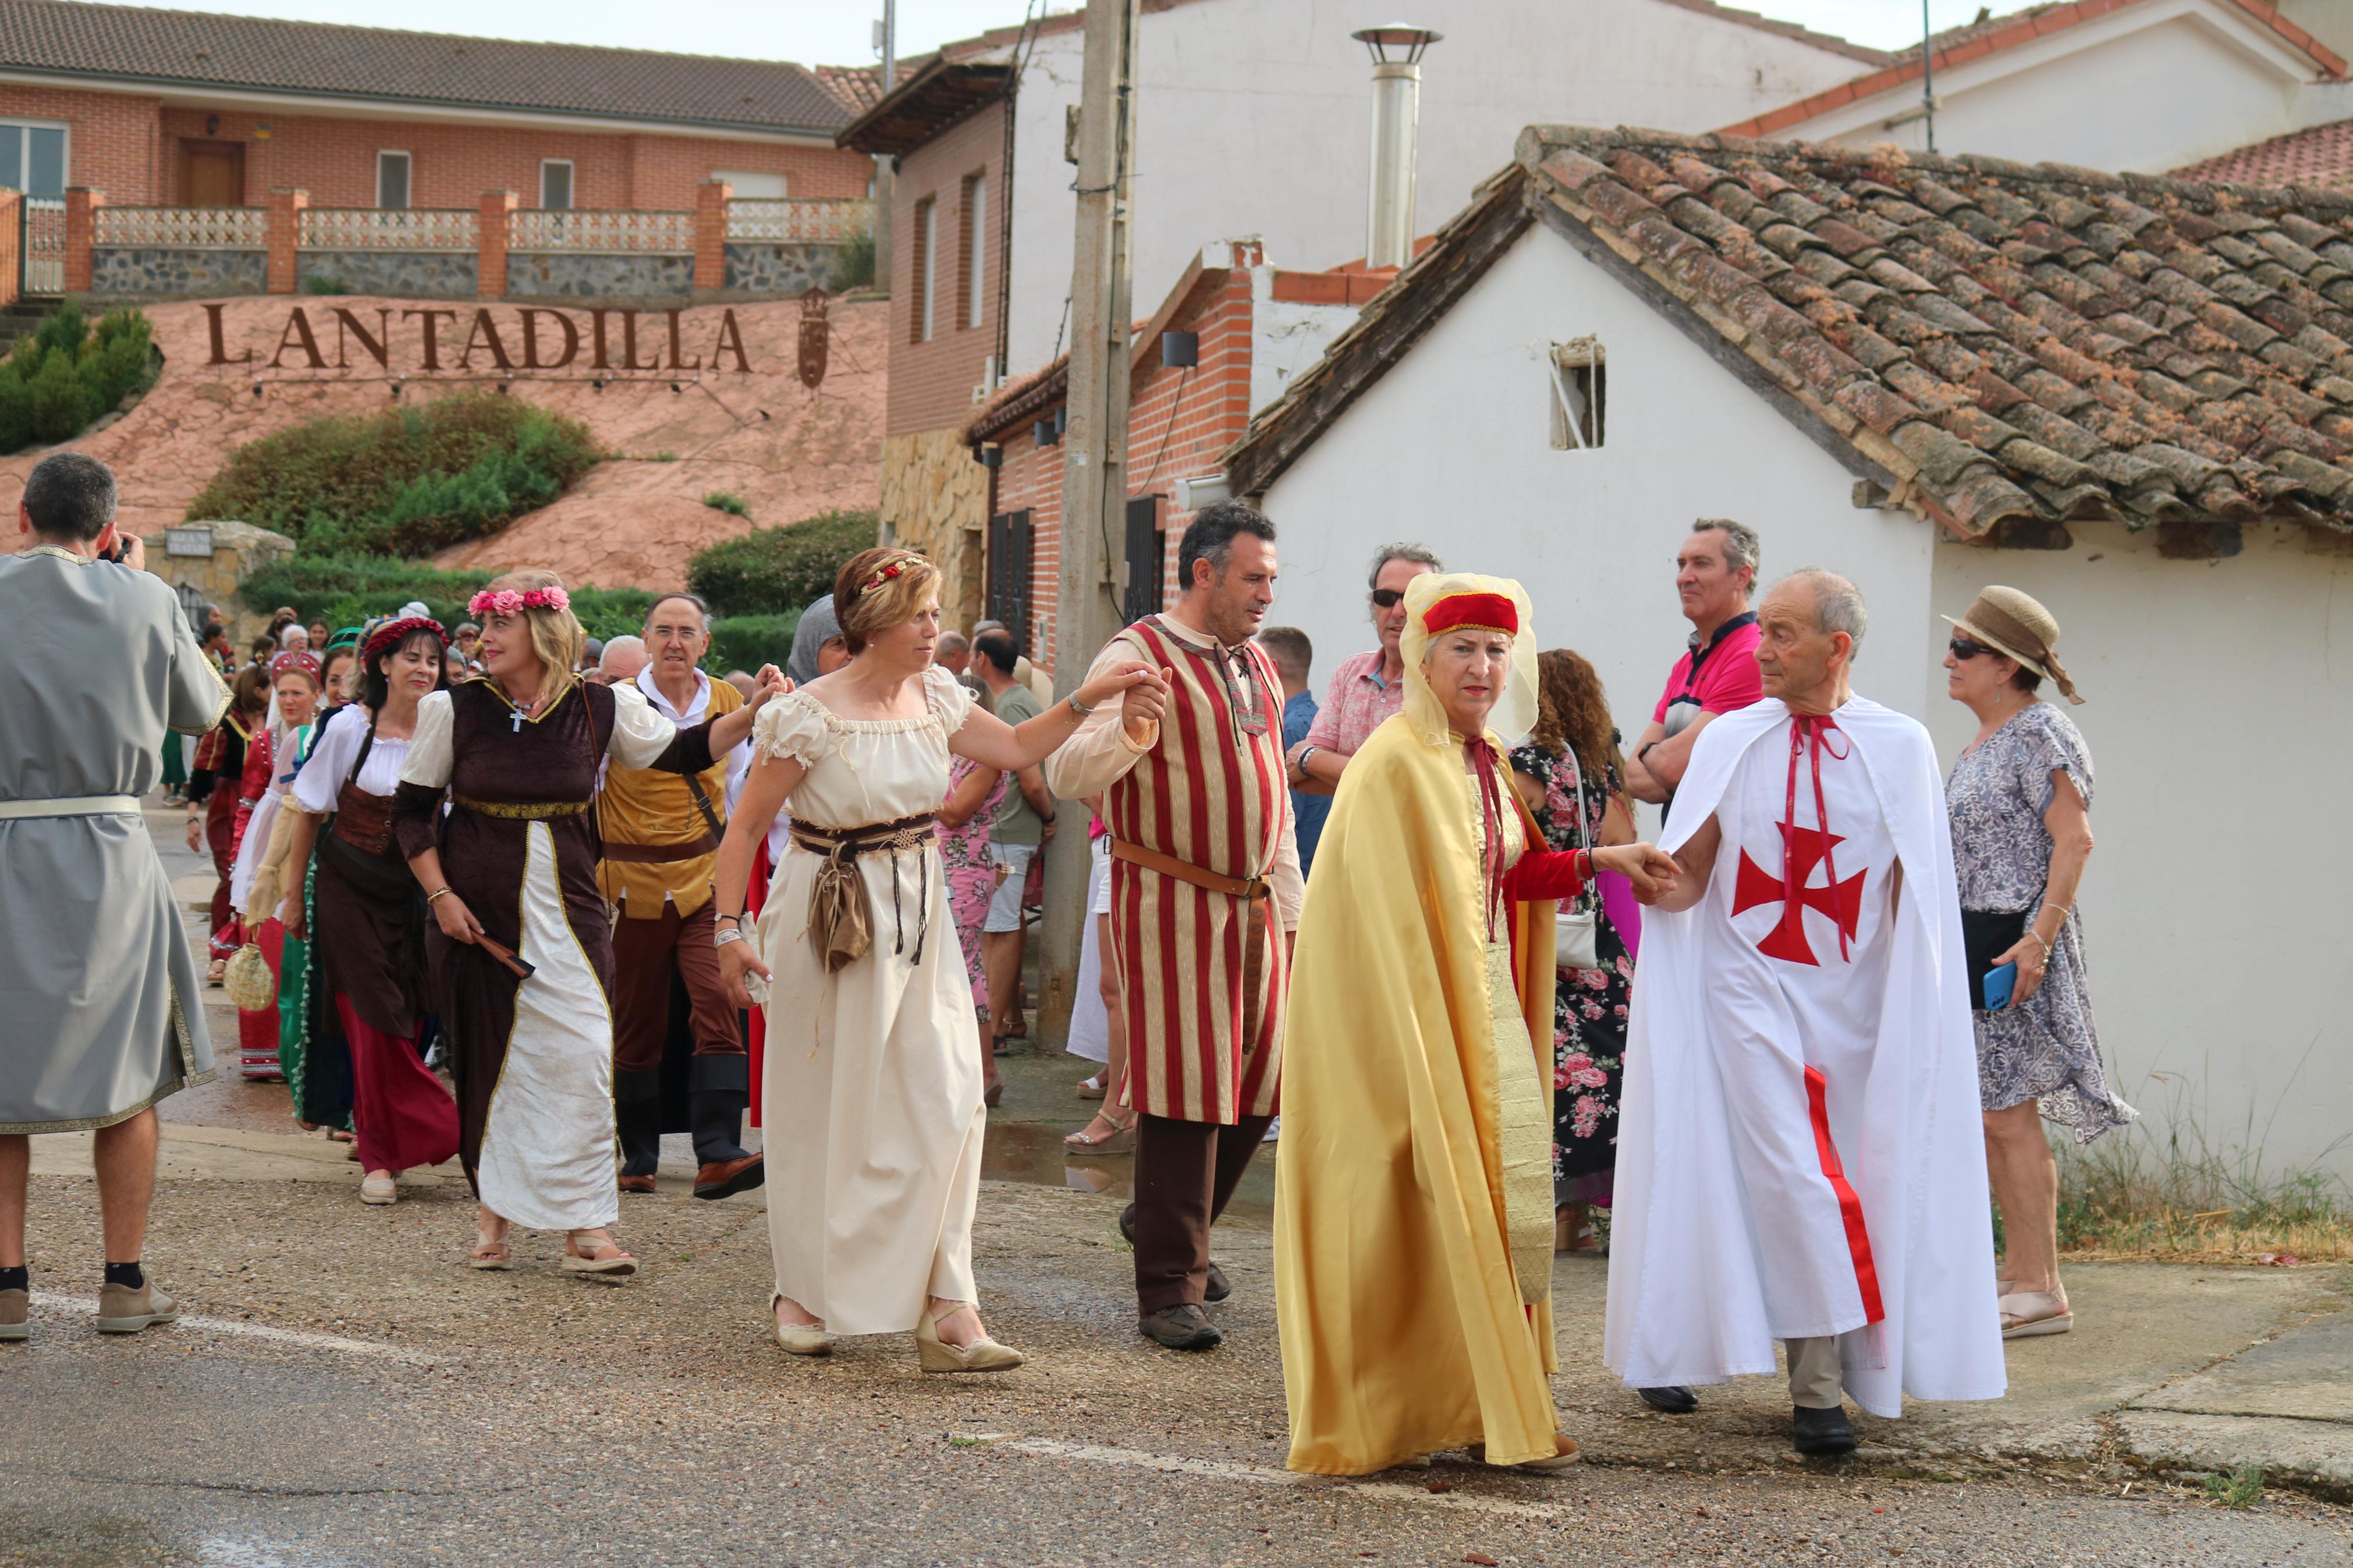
[{"x": 1205, "y": 888}]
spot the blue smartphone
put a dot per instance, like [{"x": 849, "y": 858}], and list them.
[{"x": 1999, "y": 985}]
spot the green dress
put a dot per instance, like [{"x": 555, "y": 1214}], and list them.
[{"x": 311, "y": 1048}]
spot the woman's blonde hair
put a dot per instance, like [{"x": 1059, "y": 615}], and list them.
[
  {"x": 556, "y": 636},
  {"x": 880, "y": 588}
]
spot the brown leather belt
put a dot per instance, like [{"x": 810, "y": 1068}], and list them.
[
  {"x": 660, "y": 854},
  {"x": 1252, "y": 891}
]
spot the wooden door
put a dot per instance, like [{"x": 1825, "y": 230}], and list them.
[{"x": 212, "y": 174}]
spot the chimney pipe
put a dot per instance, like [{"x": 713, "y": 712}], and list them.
[{"x": 1397, "y": 51}]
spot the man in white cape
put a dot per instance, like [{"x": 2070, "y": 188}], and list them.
[{"x": 1799, "y": 1151}]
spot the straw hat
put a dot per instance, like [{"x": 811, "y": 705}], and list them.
[{"x": 2016, "y": 626}]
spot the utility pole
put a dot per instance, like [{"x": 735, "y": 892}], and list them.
[
  {"x": 1095, "y": 474},
  {"x": 1927, "y": 76},
  {"x": 886, "y": 39}
]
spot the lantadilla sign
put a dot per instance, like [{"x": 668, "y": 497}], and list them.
[{"x": 611, "y": 340}]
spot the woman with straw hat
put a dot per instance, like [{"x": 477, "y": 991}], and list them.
[{"x": 2020, "y": 798}]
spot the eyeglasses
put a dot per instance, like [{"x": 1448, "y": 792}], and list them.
[
  {"x": 1388, "y": 599},
  {"x": 1963, "y": 648}
]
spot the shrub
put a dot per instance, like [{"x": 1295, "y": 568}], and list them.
[
  {"x": 771, "y": 570},
  {"x": 60, "y": 402},
  {"x": 324, "y": 283},
  {"x": 343, "y": 590},
  {"x": 64, "y": 375},
  {"x": 728, "y": 501},
  {"x": 747, "y": 642},
  {"x": 406, "y": 481},
  {"x": 854, "y": 267},
  {"x": 15, "y": 409}
]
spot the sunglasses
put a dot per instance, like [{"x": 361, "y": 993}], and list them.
[
  {"x": 1963, "y": 648},
  {"x": 1388, "y": 599}
]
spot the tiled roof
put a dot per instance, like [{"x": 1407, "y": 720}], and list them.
[
  {"x": 1974, "y": 40},
  {"x": 860, "y": 87},
  {"x": 196, "y": 49},
  {"x": 2321, "y": 155},
  {"x": 1990, "y": 341}
]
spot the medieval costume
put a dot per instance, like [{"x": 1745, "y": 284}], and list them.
[
  {"x": 269, "y": 772},
  {"x": 96, "y": 981},
  {"x": 532, "y": 1055},
  {"x": 872, "y": 1115},
  {"x": 1800, "y": 1156},
  {"x": 213, "y": 784},
  {"x": 367, "y": 937},
  {"x": 1204, "y": 883},
  {"x": 661, "y": 832},
  {"x": 313, "y": 1057},
  {"x": 1413, "y": 1209}
]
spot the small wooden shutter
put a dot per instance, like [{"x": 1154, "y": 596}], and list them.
[
  {"x": 1144, "y": 562},
  {"x": 1010, "y": 543}
]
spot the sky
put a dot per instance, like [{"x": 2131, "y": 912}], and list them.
[{"x": 840, "y": 32}]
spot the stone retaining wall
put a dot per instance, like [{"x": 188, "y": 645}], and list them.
[
  {"x": 772, "y": 268},
  {"x": 405, "y": 274},
  {"x": 572, "y": 275},
  {"x": 145, "y": 271}
]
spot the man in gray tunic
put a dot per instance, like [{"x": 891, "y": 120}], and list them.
[{"x": 100, "y": 1012}]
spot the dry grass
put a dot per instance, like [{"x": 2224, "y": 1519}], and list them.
[{"x": 2166, "y": 1193}]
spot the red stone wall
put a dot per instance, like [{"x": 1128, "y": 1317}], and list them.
[
  {"x": 128, "y": 145},
  {"x": 932, "y": 383}
]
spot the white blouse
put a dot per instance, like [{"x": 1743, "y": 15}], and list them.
[
  {"x": 320, "y": 781},
  {"x": 640, "y": 735}
]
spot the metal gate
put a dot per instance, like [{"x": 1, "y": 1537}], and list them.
[
  {"x": 1011, "y": 542},
  {"x": 42, "y": 245},
  {"x": 1144, "y": 559}
]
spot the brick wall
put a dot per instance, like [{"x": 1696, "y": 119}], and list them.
[
  {"x": 931, "y": 382},
  {"x": 129, "y": 146}
]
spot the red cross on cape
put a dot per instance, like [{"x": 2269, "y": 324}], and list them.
[{"x": 1803, "y": 849}]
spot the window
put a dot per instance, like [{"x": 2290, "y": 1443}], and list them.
[
  {"x": 972, "y": 250},
  {"x": 33, "y": 158},
  {"x": 555, "y": 184},
  {"x": 1145, "y": 565},
  {"x": 926, "y": 269},
  {"x": 1011, "y": 542},
  {"x": 392, "y": 179},
  {"x": 755, "y": 187},
  {"x": 1579, "y": 393}
]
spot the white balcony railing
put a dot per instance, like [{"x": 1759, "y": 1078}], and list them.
[
  {"x": 45, "y": 245},
  {"x": 608, "y": 233},
  {"x": 790, "y": 219},
  {"x": 183, "y": 228},
  {"x": 388, "y": 228}
]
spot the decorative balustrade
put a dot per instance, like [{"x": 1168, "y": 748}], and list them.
[
  {"x": 182, "y": 228},
  {"x": 43, "y": 256},
  {"x": 388, "y": 228},
  {"x": 792, "y": 219},
  {"x": 602, "y": 233}
]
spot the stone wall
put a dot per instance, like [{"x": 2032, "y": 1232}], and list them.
[
  {"x": 564, "y": 274},
  {"x": 935, "y": 500},
  {"x": 143, "y": 270},
  {"x": 770, "y": 268},
  {"x": 238, "y": 550},
  {"x": 408, "y": 274}
]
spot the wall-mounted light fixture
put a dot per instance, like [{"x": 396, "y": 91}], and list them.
[
  {"x": 989, "y": 455},
  {"x": 1180, "y": 351},
  {"x": 1047, "y": 433}
]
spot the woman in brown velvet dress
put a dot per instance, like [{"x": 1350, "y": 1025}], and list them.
[{"x": 521, "y": 951}]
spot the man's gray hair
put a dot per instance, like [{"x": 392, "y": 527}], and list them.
[
  {"x": 1419, "y": 554},
  {"x": 683, "y": 597},
  {"x": 1741, "y": 545},
  {"x": 70, "y": 495},
  {"x": 951, "y": 642},
  {"x": 1837, "y": 603},
  {"x": 621, "y": 646}
]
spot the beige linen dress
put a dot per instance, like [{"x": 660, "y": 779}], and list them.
[{"x": 871, "y": 1096}]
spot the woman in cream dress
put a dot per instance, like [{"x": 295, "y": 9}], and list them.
[{"x": 872, "y": 1085}]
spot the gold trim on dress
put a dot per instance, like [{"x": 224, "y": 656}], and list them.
[
  {"x": 571, "y": 683},
  {"x": 522, "y": 810}
]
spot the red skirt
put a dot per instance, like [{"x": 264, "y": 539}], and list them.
[{"x": 258, "y": 1033}]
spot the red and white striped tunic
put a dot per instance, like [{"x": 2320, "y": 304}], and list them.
[{"x": 1210, "y": 792}]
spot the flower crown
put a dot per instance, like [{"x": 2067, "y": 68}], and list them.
[
  {"x": 890, "y": 571},
  {"x": 507, "y": 603}
]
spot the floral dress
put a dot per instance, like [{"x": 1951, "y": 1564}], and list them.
[
  {"x": 2046, "y": 1047},
  {"x": 971, "y": 879},
  {"x": 1589, "y": 1006}
]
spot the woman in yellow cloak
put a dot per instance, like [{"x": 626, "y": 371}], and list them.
[{"x": 1413, "y": 1229}]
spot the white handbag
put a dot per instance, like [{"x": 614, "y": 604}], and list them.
[{"x": 1575, "y": 934}]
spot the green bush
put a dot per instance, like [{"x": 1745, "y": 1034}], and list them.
[
  {"x": 854, "y": 267},
  {"x": 730, "y": 503},
  {"x": 65, "y": 374},
  {"x": 747, "y": 642},
  {"x": 771, "y": 570},
  {"x": 407, "y": 481},
  {"x": 343, "y": 590},
  {"x": 324, "y": 283}
]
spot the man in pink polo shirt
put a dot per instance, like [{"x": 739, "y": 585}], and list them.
[
  {"x": 1717, "y": 673},
  {"x": 1366, "y": 688}
]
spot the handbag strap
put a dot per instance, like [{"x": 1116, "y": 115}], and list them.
[{"x": 1591, "y": 896}]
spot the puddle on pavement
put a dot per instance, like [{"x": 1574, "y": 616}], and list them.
[{"x": 1033, "y": 1152}]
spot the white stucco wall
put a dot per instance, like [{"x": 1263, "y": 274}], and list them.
[
  {"x": 1452, "y": 448},
  {"x": 2219, "y": 716},
  {"x": 1254, "y": 117},
  {"x": 2148, "y": 88}
]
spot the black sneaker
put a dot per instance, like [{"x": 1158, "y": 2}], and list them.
[
  {"x": 1820, "y": 1432},
  {"x": 1670, "y": 1399},
  {"x": 1183, "y": 1327}
]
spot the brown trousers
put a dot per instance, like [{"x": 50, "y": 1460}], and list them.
[
  {"x": 643, "y": 953},
  {"x": 1185, "y": 1171}
]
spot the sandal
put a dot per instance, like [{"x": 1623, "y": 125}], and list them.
[
  {"x": 1092, "y": 1088},
  {"x": 1117, "y": 1141},
  {"x": 490, "y": 1252},
  {"x": 2028, "y": 1315},
  {"x": 603, "y": 1257},
  {"x": 993, "y": 1094}
]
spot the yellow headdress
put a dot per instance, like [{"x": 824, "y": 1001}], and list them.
[{"x": 1438, "y": 602}]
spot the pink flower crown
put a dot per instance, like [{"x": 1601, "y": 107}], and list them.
[{"x": 507, "y": 603}]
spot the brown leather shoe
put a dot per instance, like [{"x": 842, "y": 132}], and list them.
[
  {"x": 726, "y": 1178},
  {"x": 638, "y": 1184},
  {"x": 122, "y": 1310}
]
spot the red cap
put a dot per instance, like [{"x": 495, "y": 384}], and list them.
[{"x": 1491, "y": 610}]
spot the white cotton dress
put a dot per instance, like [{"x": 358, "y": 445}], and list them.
[{"x": 871, "y": 1096}]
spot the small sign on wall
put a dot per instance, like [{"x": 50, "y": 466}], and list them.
[{"x": 196, "y": 542}]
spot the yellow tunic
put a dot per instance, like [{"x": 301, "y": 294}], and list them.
[
  {"x": 1413, "y": 1230},
  {"x": 644, "y": 806}
]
